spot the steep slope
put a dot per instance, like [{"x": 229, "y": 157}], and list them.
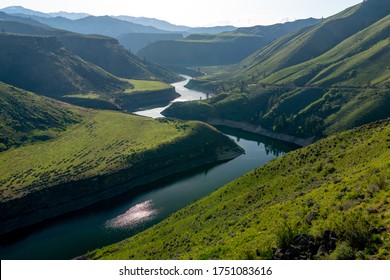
[
  {"x": 344, "y": 87},
  {"x": 102, "y": 51},
  {"x": 26, "y": 117},
  {"x": 42, "y": 65},
  {"x": 312, "y": 42},
  {"x": 361, "y": 60},
  {"x": 108, "y": 54},
  {"x": 327, "y": 201},
  {"x": 220, "y": 49}
]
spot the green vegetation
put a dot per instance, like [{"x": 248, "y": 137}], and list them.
[
  {"x": 143, "y": 85},
  {"x": 220, "y": 49},
  {"x": 42, "y": 65},
  {"x": 104, "y": 142},
  {"x": 307, "y": 83},
  {"x": 333, "y": 195},
  {"x": 77, "y": 156},
  {"x": 26, "y": 117}
]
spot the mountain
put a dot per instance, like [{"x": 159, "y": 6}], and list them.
[
  {"x": 108, "y": 54},
  {"x": 102, "y": 25},
  {"x": 103, "y": 51},
  {"x": 311, "y": 42},
  {"x": 26, "y": 117},
  {"x": 325, "y": 201},
  {"x": 42, "y": 65},
  {"x": 7, "y": 17},
  {"x": 72, "y": 16},
  {"x": 346, "y": 85},
  {"x": 21, "y": 11},
  {"x": 159, "y": 24},
  {"x": 137, "y": 41},
  {"x": 220, "y": 49}
]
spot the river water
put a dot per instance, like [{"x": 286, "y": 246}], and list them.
[{"x": 115, "y": 219}]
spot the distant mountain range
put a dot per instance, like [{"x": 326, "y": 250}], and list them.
[{"x": 109, "y": 26}]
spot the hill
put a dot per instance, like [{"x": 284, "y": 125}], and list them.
[
  {"x": 108, "y": 54},
  {"x": 84, "y": 156},
  {"x": 137, "y": 41},
  {"x": 102, "y": 51},
  {"x": 26, "y": 117},
  {"x": 42, "y": 65},
  {"x": 311, "y": 42},
  {"x": 220, "y": 49},
  {"x": 326, "y": 201},
  {"x": 338, "y": 89}
]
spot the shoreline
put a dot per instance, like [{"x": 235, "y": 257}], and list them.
[
  {"x": 257, "y": 129},
  {"x": 66, "y": 206}
]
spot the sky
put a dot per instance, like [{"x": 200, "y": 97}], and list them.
[{"x": 196, "y": 12}]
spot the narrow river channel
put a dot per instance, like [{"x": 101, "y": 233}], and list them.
[{"x": 113, "y": 220}]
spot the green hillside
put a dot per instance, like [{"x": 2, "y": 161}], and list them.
[
  {"x": 108, "y": 54},
  {"x": 361, "y": 60},
  {"x": 102, "y": 51},
  {"x": 326, "y": 201},
  {"x": 220, "y": 49},
  {"x": 312, "y": 42},
  {"x": 26, "y": 117},
  {"x": 342, "y": 88},
  {"x": 74, "y": 157},
  {"x": 42, "y": 65}
]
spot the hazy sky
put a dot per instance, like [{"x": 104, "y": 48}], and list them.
[{"x": 196, "y": 12}]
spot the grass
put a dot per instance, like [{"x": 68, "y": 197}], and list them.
[
  {"x": 344, "y": 180},
  {"x": 103, "y": 142},
  {"x": 145, "y": 86}
]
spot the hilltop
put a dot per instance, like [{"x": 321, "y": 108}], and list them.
[{"x": 326, "y": 201}]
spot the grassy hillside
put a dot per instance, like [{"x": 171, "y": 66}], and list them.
[
  {"x": 85, "y": 156},
  {"x": 26, "y": 117},
  {"x": 326, "y": 201},
  {"x": 314, "y": 41},
  {"x": 108, "y": 54},
  {"x": 102, "y": 51},
  {"x": 359, "y": 61},
  {"x": 220, "y": 49},
  {"x": 42, "y": 65},
  {"x": 345, "y": 87}
]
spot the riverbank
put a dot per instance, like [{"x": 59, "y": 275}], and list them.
[
  {"x": 257, "y": 129},
  {"x": 100, "y": 159}
]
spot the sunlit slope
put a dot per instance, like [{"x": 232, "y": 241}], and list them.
[
  {"x": 359, "y": 61},
  {"x": 314, "y": 41},
  {"x": 26, "y": 117},
  {"x": 329, "y": 200}
]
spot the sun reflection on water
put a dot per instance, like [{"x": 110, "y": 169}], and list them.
[{"x": 136, "y": 215}]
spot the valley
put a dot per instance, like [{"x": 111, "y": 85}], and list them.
[{"x": 277, "y": 149}]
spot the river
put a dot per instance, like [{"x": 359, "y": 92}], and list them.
[{"x": 110, "y": 221}]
